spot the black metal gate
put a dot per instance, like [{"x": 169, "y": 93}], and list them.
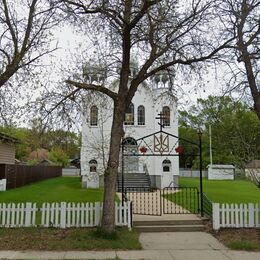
[{"x": 172, "y": 200}]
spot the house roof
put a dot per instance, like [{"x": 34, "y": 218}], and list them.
[
  {"x": 46, "y": 161},
  {"x": 8, "y": 138},
  {"x": 253, "y": 164}
]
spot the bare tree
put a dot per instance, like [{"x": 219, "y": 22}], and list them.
[
  {"x": 163, "y": 34},
  {"x": 25, "y": 37},
  {"x": 241, "y": 19}
]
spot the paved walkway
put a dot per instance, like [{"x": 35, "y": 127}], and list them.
[{"x": 162, "y": 246}]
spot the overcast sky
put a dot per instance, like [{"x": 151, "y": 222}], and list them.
[{"x": 69, "y": 41}]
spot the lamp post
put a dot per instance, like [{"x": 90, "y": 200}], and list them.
[
  {"x": 123, "y": 181},
  {"x": 200, "y": 158}
]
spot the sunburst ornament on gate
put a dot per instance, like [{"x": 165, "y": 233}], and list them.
[{"x": 161, "y": 143}]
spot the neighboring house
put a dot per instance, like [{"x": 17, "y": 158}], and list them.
[
  {"x": 221, "y": 172},
  {"x": 151, "y": 98},
  {"x": 7, "y": 149},
  {"x": 252, "y": 171},
  {"x": 46, "y": 162}
]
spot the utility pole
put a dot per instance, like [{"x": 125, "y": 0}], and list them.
[{"x": 210, "y": 146}]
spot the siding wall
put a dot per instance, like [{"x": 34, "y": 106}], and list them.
[{"x": 7, "y": 153}]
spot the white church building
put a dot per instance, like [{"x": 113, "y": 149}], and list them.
[{"x": 152, "y": 97}]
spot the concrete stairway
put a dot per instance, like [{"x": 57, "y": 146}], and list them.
[
  {"x": 133, "y": 180},
  {"x": 168, "y": 225}
]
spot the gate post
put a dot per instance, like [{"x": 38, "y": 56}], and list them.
[
  {"x": 201, "y": 186},
  {"x": 123, "y": 181}
]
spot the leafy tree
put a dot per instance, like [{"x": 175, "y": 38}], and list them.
[
  {"x": 38, "y": 137},
  {"x": 235, "y": 130},
  {"x": 59, "y": 157},
  {"x": 164, "y": 33}
]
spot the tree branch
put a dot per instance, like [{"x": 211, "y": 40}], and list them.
[{"x": 98, "y": 88}]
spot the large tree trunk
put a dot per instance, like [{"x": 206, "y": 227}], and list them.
[
  {"x": 251, "y": 80},
  {"x": 245, "y": 56},
  {"x": 108, "y": 218}
]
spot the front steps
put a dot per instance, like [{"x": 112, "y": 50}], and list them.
[
  {"x": 168, "y": 225},
  {"x": 133, "y": 180}
]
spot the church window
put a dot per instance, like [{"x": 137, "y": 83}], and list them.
[
  {"x": 167, "y": 116},
  {"x": 93, "y": 115},
  {"x": 93, "y": 166},
  {"x": 131, "y": 163},
  {"x": 141, "y": 115},
  {"x": 129, "y": 115},
  {"x": 166, "y": 165}
]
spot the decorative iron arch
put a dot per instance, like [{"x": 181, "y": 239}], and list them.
[
  {"x": 129, "y": 141},
  {"x": 158, "y": 144}
]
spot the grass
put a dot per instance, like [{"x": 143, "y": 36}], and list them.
[
  {"x": 67, "y": 189},
  {"x": 187, "y": 198},
  {"x": 246, "y": 245},
  {"x": 239, "y": 239},
  {"x": 67, "y": 239},
  {"x": 226, "y": 191}
]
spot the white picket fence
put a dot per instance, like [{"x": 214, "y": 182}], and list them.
[
  {"x": 235, "y": 215},
  {"x": 60, "y": 215}
]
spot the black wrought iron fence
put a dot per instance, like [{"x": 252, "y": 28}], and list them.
[
  {"x": 207, "y": 206},
  {"x": 172, "y": 200},
  {"x": 146, "y": 201},
  {"x": 181, "y": 200}
]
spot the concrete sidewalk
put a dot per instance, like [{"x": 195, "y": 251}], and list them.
[{"x": 163, "y": 246}]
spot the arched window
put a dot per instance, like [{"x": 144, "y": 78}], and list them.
[
  {"x": 167, "y": 116},
  {"x": 131, "y": 163},
  {"x": 129, "y": 115},
  {"x": 129, "y": 141},
  {"x": 141, "y": 115},
  {"x": 166, "y": 165},
  {"x": 93, "y": 165},
  {"x": 93, "y": 115}
]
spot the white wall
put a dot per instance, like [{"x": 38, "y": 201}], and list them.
[
  {"x": 95, "y": 139},
  {"x": 221, "y": 173}
]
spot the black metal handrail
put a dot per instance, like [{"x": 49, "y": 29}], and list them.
[
  {"x": 146, "y": 172},
  {"x": 207, "y": 206}
]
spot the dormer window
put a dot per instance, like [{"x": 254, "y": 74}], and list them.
[
  {"x": 93, "y": 116},
  {"x": 141, "y": 115},
  {"x": 167, "y": 116},
  {"x": 129, "y": 115}
]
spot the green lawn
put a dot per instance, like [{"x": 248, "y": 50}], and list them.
[
  {"x": 67, "y": 189},
  {"x": 238, "y": 191}
]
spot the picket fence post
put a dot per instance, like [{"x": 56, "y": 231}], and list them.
[
  {"x": 63, "y": 208},
  {"x": 251, "y": 215},
  {"x": 97, "y": 214},
  {"x": 28, "y": 208},
  {"x": 216, "y": 216}
]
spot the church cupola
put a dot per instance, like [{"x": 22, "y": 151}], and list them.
[{"x": 94, "y": 74}]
